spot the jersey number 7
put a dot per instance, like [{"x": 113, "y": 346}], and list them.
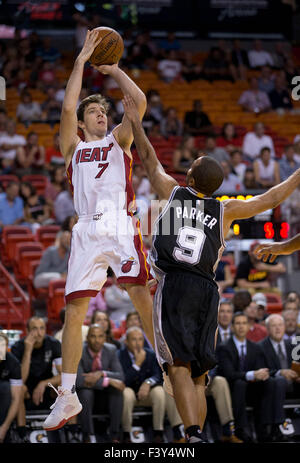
[{"x": 102, "y": 168}]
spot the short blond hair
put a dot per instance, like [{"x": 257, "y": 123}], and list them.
[{"x": 96, "y": 98}]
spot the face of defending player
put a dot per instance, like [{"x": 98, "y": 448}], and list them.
[{"x": 94, "y": 122}]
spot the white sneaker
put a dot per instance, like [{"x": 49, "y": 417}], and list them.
[
  {"x": 64, "y": 408},
  {"x": 167, "y": 385}
]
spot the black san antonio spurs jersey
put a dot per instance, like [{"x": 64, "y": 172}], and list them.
[{"x": 188, "y": 234}]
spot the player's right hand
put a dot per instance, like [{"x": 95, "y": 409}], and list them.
[
  {"x": 272, "y": 250},
  {"x": 90, "y": 43}
]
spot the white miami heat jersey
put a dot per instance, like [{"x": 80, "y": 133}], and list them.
[{"x": 100, "y": 176}]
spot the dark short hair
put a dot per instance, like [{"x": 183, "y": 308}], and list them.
[
  {"x": 207, "y": 174},
  {"x": 238, "y": 314},
  {"x": 130, "y": 314},
  {"x": 225, "y": 301},
  {"x": 241, "y": 299},
  {"x": 96, "y": 98},
  {"x": 264, "y": 148},
  {"x": 35, "y": 317}
]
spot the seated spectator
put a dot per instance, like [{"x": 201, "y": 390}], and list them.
[
  {"x": 215, "y": 67},
  {"x": 225, "y": 315},
  {"x": 238, "y": 167},
  {"x": 169, "y": 43},
  {"x": 47, "y": 77},
  {"x": 63, "y": 205},
  {"x": 239, "y": 60},
  {"x": 28, "y": 110},
  {"x": 10, "y": 389},
  {"x": 224, "y": 277},
  {"x": 280, "y": 56},
  {"x": 148, "y": 120},
  {"x": 54, "y": 261},
  {"x": 261, "y": 302},
  {"x": 291, "y": 304},
  {"x": 36, "y": 353},
  {"x": 210, "y": 148},
  {"x": 288, "y": 163},
  {"x": 56, "y": 185},
  {"x": 254, "y": 100},
  {"x": 229, "y": 139},
  {"x": 249, "y": 179},
  {"x": 197, "y": 122},
  {"x": 155, "y": 103},
  {"x": 266, "y": 170},
  {"x": 241, "y": 299},
  {"x": 241, "y": 362},
  {"x": 141, "y": 184},
  {"x": 191, "y": 70},
  {"x": 30, "y": 159},
  {"x": 280, "y": 97},
  {"x": 118, "y": 302},
  {"x": 266, "y": 80},
  {"x": 9, "y": 143},
  {"x": 251, "y": 274},
  {"x": 293, "y": 296},
  {"x": 58, "y": 334},
  {"x": 291, "y": 325},
  {"x": 256, "y": 332},
  {"x": 36, "y": 211},
  {"x": 134, "y": 319},
  {"x": 290, "y": 70},
  {"x": 290, "y": 210},
  {"x": 254, "y": 141},
  {"x": 139, "y": 54},
  {"x": 231, "y": 182},
  {"x": 101, "y": 318},
  {"x": 259, "y": 57},
  {"x": 11, "y": 206},
  {"x": 53, "y": 155},
  {"x": 99, "y": 384},
  {"x": 51, "y": 108},
  {"x": 170, "y": 125},
  {"x": 35, "y": 70},
  {"x": 47, "y": 51},
  {"x": 184, "y": 154},
  {"x": 143, "y": 381},
  {"x": 169, "y": 69},
  {"x": 96, "y": 303}
]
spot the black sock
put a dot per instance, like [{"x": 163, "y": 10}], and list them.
[
  {"x": 194, "y": 431},
  {"x": 126, "y": 435},
  {"x": 177, "y": 434},
  {"x": 228, "y": 428},
  {"x": 158, "y": 433},
  {"x": 21, "y": 430}
]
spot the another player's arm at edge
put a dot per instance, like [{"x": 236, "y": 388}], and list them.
[
  {"x": 161, "y": 182},
  {"x": 275, "y": 249},
  {"x": 235, "y": 209}
]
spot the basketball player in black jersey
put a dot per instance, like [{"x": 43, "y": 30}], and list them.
[{"x": 187, "y": 244}]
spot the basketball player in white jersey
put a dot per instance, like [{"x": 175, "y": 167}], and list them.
[{"x": 99, "y": 170}]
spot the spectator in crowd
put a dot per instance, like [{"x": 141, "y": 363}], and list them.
[
  {"x": 36, "y": 353},
  {"x": 36, "y": 211},
  {"x": 170, "y": 125},
  {"x": 99, "y": 384},
  {"x": 134, "y": 319},
  {"x": 292, "y": 305},
  {"x": 54, "y": 261},
  {"x": 280, "y": 56},
  {"x": 225, "y": 315},
  {"x": 210, "y": 148},
  {"x": 169, "y": 69},
  {"x": 256, "y": 332},
  {"x": 118, "y": 302},
  {"x": 30, "y": 159},
  {"x": 184, "y": 154},
  {"x": 51, "y": 108},
  {"x": 101, "y": 318},
  {"x": 256, "y": 140},
  {"x": 241, "y": 362},
  {"x": 96, "y": 303},
  {"x": 148, "y": 120},
  {"x": 58, "y": 334},
  {"x": 241, "y": 299},
  {"x": 10, "y": 388},
  {"x": 140, "y": 55},
  {"x": 266, "y": 170},
  {"x": 47, "y": 51},
  {"x": 215, "y": 67},
  {"x": 254, "y": 100},
  {"x": 290, "y": 71},
  {"x": 143, "y": 381},
  {"x": 293, "y": 296},
  {"x": 280, "y": 96},
  {"x": 191, "y": 70},
  {"x": 53, "y": 155},
  {"x": 47, "y": 77},
  {"x": 63, "y": 205},
  {"x": 238, "y": 167},
  {"x": 141, "y": 184},
  {"x": 261, "y": 302},
  {"x": 28, "y": 110},
  {"x": 81, "y": 28},
  {"x": 56, "y": 184},
  {"x": 224, "y": 277},
  {"x": 11, "y": 206},
  {"x": 231, "y": 181},
  {"x": 291, "y": 325},
  {"x": 239, "y": 59},
  {"x": 3, "y": 121},
  {"x": 169, "y": 43},
  {"x": 266, "y": 80},
  {"x": 288, "y": 163},
  {"x": 249, "y": 179},
  {"x": 197, "y": 122},
  {"x": 229, "y": 139},
  {"x": 9, "y": 142},
  {"x": 34, "y": 74},
  {"x": 155, "y": 103},
  {"x": 259, "y": 57},
  {"x": 251, "y": 275}
]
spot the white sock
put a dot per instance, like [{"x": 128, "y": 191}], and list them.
[{"x": 68, "y": 380}]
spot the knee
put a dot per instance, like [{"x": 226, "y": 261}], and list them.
[
  {"x": 128, "y": 396},
  {"x": 76, "y": 311},
  {"x": 158, "y": 395},
  {"x": 220, "y": 382}
]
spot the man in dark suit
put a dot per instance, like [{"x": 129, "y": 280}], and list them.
[
  {"x": 99, "y": 384},
  {"x": 241, "y": 363},
  {"x": 143, "y": 380}
]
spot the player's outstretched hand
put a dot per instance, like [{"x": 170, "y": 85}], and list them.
[
  {"x": 90, "y": 43},
  {"x": 130, "y": 108},
  {"x": 272, "y": 250}
]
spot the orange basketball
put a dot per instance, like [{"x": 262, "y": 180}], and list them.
[{"x": 110, "y": 49}]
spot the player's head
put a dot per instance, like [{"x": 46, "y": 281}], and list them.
[
  {"x": 205, "y": 175},
  {"x": 92, "y": 115}
]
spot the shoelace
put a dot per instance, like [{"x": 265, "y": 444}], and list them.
[{"x": 59, "y": 393}]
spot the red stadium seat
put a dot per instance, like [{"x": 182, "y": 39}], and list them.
[
  {"x": 38, "y": 181},
  {"x": 12, "y": 242},
  {"x": 8, "y": 230},
  {"x": 47, "y": 234},
  {"x": 6, "y": 179},
  {"x": 22, "y": 248},
  {"x": 56, "y": 299}
]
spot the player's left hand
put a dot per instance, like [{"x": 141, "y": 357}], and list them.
[{"x": 109, "y": 69}]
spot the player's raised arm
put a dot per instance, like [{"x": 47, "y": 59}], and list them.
[
  {"x": 235, "y": 209},
  {"x": 272, "y": 250},
  {"x": 68, "y": 138},
  {"x": 161, "y": 182}
]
